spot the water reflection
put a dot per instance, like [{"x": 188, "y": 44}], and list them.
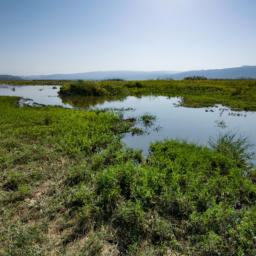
[{"x": 90, "y": 101}]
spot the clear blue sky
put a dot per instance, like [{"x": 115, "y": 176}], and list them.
[{"x": 66, "y": 36}]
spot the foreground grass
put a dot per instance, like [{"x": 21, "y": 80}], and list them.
[
  {"x": 69, "y": 187},
  {"x": 237, "y": 94}
]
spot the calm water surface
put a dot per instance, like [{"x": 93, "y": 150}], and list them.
[
  {"x": 34, "y": 94},
  {"x": 172, "y": 121},
  {"x": 191, "y": 124}
]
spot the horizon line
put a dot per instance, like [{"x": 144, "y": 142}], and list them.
[{"x": 127, "y": 70}]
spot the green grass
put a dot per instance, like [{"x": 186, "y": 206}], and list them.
[
  {"x": 237, "y": 94},
  {"x": 69, "y": 187}
]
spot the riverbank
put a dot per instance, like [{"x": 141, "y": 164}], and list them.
[{"x": 69, "y": 187}]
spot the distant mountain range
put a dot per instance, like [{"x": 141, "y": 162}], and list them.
[
  {"x": 226, "y": 73},
  {"x": 9, "y": 77},
  {"x": 103, "y": 75}
]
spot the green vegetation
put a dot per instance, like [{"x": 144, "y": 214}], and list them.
[
  {"x": 91, "y": 88},
  {"x": 237, "y": 94},
  {"x": 69, "y": 187},
  {"x": 137, "y": 131},
  {"x": 148, "y": 119},
  {"x": 235, "y": 148},
  {"x": 195, "y": 78}
]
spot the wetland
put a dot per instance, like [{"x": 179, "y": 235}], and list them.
[{"x": 128, "y": 168}]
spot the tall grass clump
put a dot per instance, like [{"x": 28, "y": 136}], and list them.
[{"x": 235, "y": 147}]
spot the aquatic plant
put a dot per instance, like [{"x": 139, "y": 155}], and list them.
[
  {"x": 221, "y": 124},
  {"x": 136, "y": 131},
  {"x": 148, "y": 119}
]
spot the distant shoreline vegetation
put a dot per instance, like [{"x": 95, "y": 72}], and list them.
[
  {"x": 14, "y": 80},
  {"x": 196, "y": 92}
]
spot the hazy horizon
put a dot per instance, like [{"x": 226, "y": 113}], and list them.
[
  {"x": 106, "y": 71},
  {"x": 64, "y": 36}
]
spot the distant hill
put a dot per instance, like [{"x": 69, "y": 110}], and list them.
[
  {"x": 103, "y": 75},
  {"x": 226, "y": 73},
  {"x": 9, "y": 77}
]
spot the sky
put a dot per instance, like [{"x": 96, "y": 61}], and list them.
[{"x": 69, "y": 36}]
